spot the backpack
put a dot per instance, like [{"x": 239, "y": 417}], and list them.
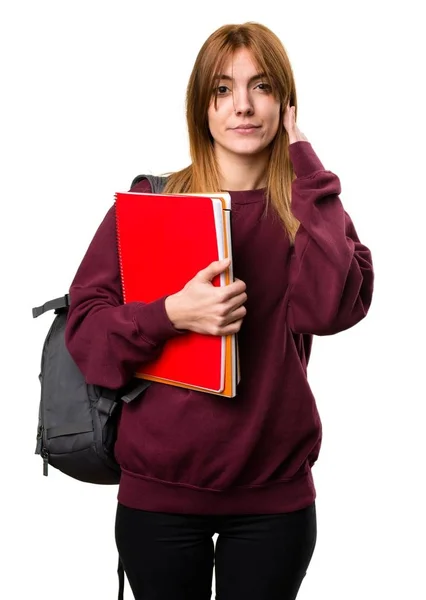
[{"x": 77, "y": 422}]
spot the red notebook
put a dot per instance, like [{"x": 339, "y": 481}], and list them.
[{"x": 163, "y": 241}]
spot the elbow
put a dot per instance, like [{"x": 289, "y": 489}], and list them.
[
  {"x": 333, "y": 317},
  {"x": 96, "y": 370},
  {"x": 352, "y": 306},
  {"x": 345, "y": 318},
  {"x": 313, "y": 323},
  {"x": 341, "y": 322},
  {"x": 333, "y": 304},
  {"x": 327, "y": 326}
]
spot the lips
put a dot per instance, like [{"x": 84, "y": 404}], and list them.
[
  {"x": 246, "y": 126},
  {"x": 246, "y": 129}
]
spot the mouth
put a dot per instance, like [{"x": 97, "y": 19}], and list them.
[{"x": 246, "y": 129}]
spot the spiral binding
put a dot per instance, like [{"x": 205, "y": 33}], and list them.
[{"x": 120, "y": 260}]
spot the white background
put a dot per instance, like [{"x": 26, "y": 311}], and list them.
[{"x": 92, "y": 93}]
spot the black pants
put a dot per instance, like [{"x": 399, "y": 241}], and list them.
[{"x": 257, "y": 557}]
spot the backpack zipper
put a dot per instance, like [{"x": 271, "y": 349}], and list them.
[
  {"x": 45, "y": 457},
  {"x": 44, "y": 453}
]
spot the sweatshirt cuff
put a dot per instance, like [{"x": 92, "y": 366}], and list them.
[
  {"x": 304, "y": 160},
  {"x": 153, "y": 323}
]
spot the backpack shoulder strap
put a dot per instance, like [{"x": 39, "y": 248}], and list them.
[
  {"x": 157, "y": 182},
  {"x": 56, "y": 305}
]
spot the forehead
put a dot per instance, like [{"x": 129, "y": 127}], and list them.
[{"x": 241, "y": 63}]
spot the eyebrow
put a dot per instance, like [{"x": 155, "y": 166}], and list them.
[{"x": 229, "y": 78}]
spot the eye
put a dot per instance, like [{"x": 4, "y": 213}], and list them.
[
  {"x": 222, "y": 89},
  {"x": 264, "y": 87}
]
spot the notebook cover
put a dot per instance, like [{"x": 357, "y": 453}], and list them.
[{"x": 163, "y": 241}]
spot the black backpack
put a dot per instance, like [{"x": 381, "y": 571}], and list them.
[{"x": 78, "y": 422}]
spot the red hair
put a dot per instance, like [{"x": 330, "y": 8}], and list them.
[{"x": 271, "y": 58}]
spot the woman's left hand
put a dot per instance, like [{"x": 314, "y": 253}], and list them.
[{"x": 294, "y": 133}]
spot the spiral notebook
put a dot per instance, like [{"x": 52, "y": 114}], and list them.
[{"x": 163, "y": 241}]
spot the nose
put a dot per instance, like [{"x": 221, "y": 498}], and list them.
[{"x": 243, "y": 105}]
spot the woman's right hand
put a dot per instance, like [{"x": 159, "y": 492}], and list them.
[{"x": 204, "y": 308}]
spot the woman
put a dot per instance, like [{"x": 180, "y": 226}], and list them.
[{"x": 195, "y": 464}]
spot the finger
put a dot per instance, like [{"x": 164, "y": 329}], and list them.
[
  {"x": 213, "y": 269},
  {"x": 237, "y": 301},
  {"x": 288, "y": 120},
  {"x": 225, "y": 312},
  {"x": 229, "y": 329},
  {"x": 235, "y": 315},
  {"x": 232, "y": 328},
  {"x": 229, "y": 292},
  {"x": 238, "y": 286}
]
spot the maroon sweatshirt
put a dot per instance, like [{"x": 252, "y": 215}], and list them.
[{"x": 192, "y": 452}]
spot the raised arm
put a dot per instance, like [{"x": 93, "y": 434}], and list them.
[{"x": 331, "y": 274}]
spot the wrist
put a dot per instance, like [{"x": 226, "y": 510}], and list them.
[
  {"x": 297, "y": 139},
  {"x": 174, "y": 311}
]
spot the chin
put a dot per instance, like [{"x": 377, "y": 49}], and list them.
[
  {"x": 247, "y": 149},
  {"x": 244, "y": 146}
]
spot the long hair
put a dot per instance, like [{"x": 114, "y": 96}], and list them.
[{"x": 269, "y": 55}]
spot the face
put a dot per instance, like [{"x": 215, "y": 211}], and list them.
[{"x": 247, "y": 115}]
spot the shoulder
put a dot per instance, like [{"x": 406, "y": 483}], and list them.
[{"x": 142, "y": 186}]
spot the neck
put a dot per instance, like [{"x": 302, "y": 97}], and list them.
[{"x": 239, "y": 173}]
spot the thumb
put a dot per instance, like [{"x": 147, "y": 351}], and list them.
[{"x": 213, "y": 269}]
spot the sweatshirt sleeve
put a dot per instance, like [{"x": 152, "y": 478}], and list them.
[
  {"x": 331, "y": 273},
  {"x": 107, "y": 339}
]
